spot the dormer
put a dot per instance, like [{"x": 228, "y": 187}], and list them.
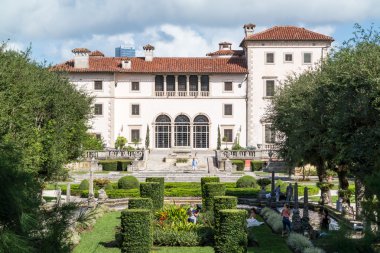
[
  {"x": 126, "y": 63},
  {"x": 81, "y": 57},
  {"x": 148, "y": 49}
]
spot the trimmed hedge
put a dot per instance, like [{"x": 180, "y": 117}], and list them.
[
  {"x": 231, "y": 235},
  {"x": 205, "y": 180},
  {"x": 136, "y": 231},
  {"x": 212, "y": 190},
  {"x": 115, "y": 165},
  {"x": 140, "y": 203},
  {"x": 257, "y": 165},
  {"x": 239, "y": 164},
  {"x": 128, "y": 182},
  {"x": 223, "y": 202},
  {"x": 84, "y": 185},
  {"x": 152, "y": 190},
  {"x": 243, "y": 192},
  {"x": 160, "y": 180},
  {"x": 246, "y": 182}
]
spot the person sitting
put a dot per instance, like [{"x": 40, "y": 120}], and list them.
[
  {"x": 193, "y": 215},
  {"x": 251, "y": 221}
]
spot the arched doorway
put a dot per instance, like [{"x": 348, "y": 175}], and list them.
[
  {"x": 201, "y": 132},
  {"x": 163, "y": 132},
  {"x": 182, "y": 131}
]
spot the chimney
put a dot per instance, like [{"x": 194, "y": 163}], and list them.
[
  {"x": 225, "y": 45},
  {"x": 81, "y": 57},
  {"x": 126, "y": 64},
  {"x": 148, "y": 52},
  {"x": 249, "y": 29}
]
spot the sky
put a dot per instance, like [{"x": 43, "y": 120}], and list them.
[{"x": 182, "y": 28}]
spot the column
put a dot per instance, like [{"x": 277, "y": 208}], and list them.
[
  {"x": 164, "y": 85},
  {"x": 191, "y": 135},
  {"x": 199, "y": 85},
  {"x": 172, "y": 134},
  {"x": 68, "y": 192},
  {"x": 176, "y": 85}
]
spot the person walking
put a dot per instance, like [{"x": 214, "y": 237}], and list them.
[
  {"x": 277, "y": 192},
  {"x": 194, "y": 164},
  {"x": 285, "y": 213}
]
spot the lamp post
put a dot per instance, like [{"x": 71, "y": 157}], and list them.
[{"x": 91, "y": 196}]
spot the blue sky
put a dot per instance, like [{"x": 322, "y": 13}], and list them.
[{"x": 174, "y": 27}]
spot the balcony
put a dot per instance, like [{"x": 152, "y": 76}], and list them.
[{"x": 176, "y": 94}]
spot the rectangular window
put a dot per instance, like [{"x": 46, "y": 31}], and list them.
[
  {"x": 135, "y": 110},
  {"x": 269, "y": 88},
  {"x": 98, "y": 136},
  {"x": 135, "y": 135},
  {"x": 227, "y": 86},
  {"x": 227, "y": 110},
  {"x": 306, "y": 58},
  {"x": 228, "y": 135},
  {"x": 288, "y": 57},
  {"x": 269, "y": 58},
  {"x": 269, "y": 134},
  {"x": 98, "y": 109},
  {"x": 98, "y": 85},
  {"x": 135, "y": 86}
]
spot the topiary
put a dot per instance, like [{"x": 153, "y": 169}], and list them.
[
  {"x": 108, "y": 187},
  {"x": 84, "y": 185},
  {"x": 223, "y": 202},
  {"x": 246, "y": 182},
  {"x": 212, "y": 190},
  {"x": 128, "y": 182},
  {"x": 140, "y": 203},
  {"x": 152, "y": 190},
  {"x": 205, "y": 180}
]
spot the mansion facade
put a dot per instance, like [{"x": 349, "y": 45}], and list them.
[{"x": 183, "y": 101}]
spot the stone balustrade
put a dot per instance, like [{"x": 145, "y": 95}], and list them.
[
  {"x": 112, "y": 154},
  {"x": 260, "y": 154}
]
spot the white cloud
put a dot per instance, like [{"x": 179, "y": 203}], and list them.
[{"x": 15, "y": 46}]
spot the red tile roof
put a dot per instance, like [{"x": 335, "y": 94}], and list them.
[
  {"x": 291, "y": 33},
  {"x": 97, "y": 53},
  {"x": 80, "y": 50},
  {"x": 227, "y": 52},
  {"x": 159, "y": 65}
]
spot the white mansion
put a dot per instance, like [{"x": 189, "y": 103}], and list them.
[{"x": 183, "y": 101}]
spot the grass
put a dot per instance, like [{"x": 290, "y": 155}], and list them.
[
  {"x": 102, "y": 233},
  {"x": 268, "y": 241},
  {"x": 183, "y": 250}
]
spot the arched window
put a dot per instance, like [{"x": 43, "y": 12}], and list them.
[
  {"x": 163, "y": 132},
  {"x": 182, "y": 131},
  {"x": 201, "y": 132}
]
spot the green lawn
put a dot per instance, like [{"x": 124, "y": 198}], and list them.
[{"x": 96, "y": 240}]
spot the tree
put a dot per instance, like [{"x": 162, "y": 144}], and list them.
[
  {"x": 225, "y": 139},
  {"x": 219, "y": 140},
  {"x": 147, "y": 138},
  {"x": 91, "y": 142},
  {"x": 120, "y": 142},
  {"x": 40, "y": 132}
]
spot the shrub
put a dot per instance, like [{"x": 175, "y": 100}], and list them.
[
  {"x": 205, "y": 180},
  {"x": 223, "y": 202},
  {"x": 101, "y": 182},
  {"x": 115, "y": 165},
  {"x": 152, "y": 190},
  {"x": 140, "y": 203},
  {"x": 273, "y": 219},
  {"x": 108, "y": 187},
  {"x": 161, "y": 181},
  {"x": 263, "y": 182},
  {"x": 212, "y": 190},
  {"x": 169, "y": 237},
  {"x": 256, "y": 165},
  {"x": 181, "y": 160},
  {"x": 121, "y": 193},
  {"x": 246, "y": 182},
  {"x": 313, "y": 250},
  {"x": 136, "y": 231},
  {"x": 84, "y": 185},
  {"x": 242, "y": 192},
  {"x": 239, "y": 164},
  {"x": 128, "y": 182},
  {"x": 231, "y": 235},
  {"x": 298, "y": 242}
]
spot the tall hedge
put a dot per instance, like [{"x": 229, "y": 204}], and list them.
[
  {"x": 128, "y": 182},
  {"x": 115, "y": 165},
  {"x": 160, "y": 180},
  {"x": 223, "y": 202},
  {"x": 212, "y": 190},
  {"x": 136, "y": 231},
  {"x": 152, "y": 190},
  {"x": 205, "y": 180},
  {"x": 231, "y": 235},
  {"x": 140, "y": 203}
]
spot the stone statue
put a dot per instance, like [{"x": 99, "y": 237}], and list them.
[{"x": 289, "y": 192}]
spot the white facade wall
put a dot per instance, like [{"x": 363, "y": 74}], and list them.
[{"x": 260, "y": 71}]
